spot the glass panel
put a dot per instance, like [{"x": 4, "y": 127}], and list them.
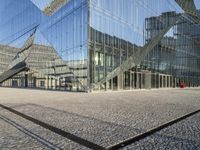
[
  {"x": 58, "y": 55},
  {"x": 125, "y": 26}
]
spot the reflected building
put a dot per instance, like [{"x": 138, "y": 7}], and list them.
[
  {"x": 88, "y": 45},
  {"x": 176, "y": 56}
]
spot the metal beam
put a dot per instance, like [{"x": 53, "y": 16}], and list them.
[
  {"x": 18, "y": 63},
  {"x": 189, "y": 7},
  {"x": 55, "y": 5},
  {"x": 25, "y": 51},
  {"x": 13, "y": 71}
]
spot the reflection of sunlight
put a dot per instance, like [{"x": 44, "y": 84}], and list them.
[
  {"x": 170, "y": 33},
  {"x": 42, "y": 4}
]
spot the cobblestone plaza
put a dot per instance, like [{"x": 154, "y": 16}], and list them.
[{"x": 104, "y": 118}]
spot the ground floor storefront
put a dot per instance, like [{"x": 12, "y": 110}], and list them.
[
  {"x": 129, "y": 80},
  {"x": 145, "y": 79}
]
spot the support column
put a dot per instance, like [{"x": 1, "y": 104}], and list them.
[
  {"x": 26, "y": 80},
  {"x": 112, "y": 84},
  {"x": 148, "y": 80},
  {"x": 130, "y": 80},
  {"x": 51, "y": 83},
  {"x": 120, "y": 82}
]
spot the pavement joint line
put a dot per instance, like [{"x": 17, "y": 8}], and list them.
[
  {"x": 56, "y": 130},
  {"x": 150, "y": 132},
  {"x": 29, "y": 133}
]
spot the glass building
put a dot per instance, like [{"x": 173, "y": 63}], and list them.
[{"x": 88, "y": 45}]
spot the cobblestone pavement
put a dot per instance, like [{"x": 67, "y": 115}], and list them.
[
  {"x": 17, "y": 133},
  {"x": 12, "y": 138},
  {"x": 184, "y": 135},
  {"x": 101, "y": 118}
]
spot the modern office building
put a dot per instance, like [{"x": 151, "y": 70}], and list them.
[{"x": 88, "y": 45}]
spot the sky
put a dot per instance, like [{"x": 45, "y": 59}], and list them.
[
  {"x": 41, "y": 3},
  {"x": 197, "y": 2}
]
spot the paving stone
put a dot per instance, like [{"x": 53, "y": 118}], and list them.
[
  {"x": 19, "y": 133},
  {"x": 103, "y": 118},
  {"x": 184, "y": 135}
]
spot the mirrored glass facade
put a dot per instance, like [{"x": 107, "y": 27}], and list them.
[
  {"x": 121, "y": 29},
  {"x": 86, "y": 45}
]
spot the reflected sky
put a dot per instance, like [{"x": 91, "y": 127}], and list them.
[
  {"x": 42, "y": 4},
  {"x": 125, "y": 18},
  {"x": 197, "y": 3},
  {"x": 135, "y": 23},
  {"x": 66, "y": 30}
]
